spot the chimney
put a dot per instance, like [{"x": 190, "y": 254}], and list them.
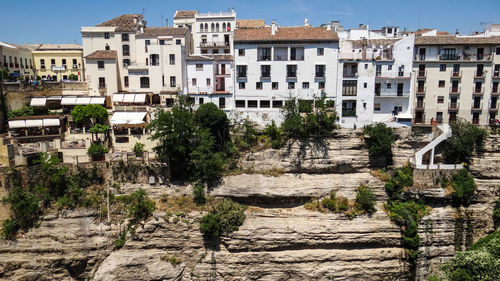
[
  {"x": 456, "y": 32},
  {"x": 141, "y": 29},
  {"x": 135, "y": 19},
  {"x": 328, "y": 26},
  {"x": 274, "y": 27},
  {"x": 306, "y": 22}
]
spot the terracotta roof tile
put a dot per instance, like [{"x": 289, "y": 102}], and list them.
[
  {"x": 102, "y": 54},
  {"x": 162, "y": 31},
  {"x": 123, "y": 22},
  {"x": 250, "y": 23},
  {"x": 60, "y": 47},
  {"x": 455, "y": 40},
  {"x": 300, "y": 33},
  {"x": 184, "y": 14},
  {"x": 222, "y": 57}
]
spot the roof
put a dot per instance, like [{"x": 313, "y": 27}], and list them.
[
  {"x": 300, "y": 33},
  {"x": 123, "y": 22},
  {"x": 224, "y": 57},
  {"x": 102, "y": 54},
  {"x": 32, "y": 117},
  {"x": 59, "y": 47},
  {"x": 250, "y": 23},
  {"x": 455, "y": 40},
  {"x": 163, "y": 31},
  {"x": 13, "y": 46},
  {"x": 184, "y": 14}
]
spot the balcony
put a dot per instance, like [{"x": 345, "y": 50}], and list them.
[
  {"x": 477, "y": 57},
  {"x": 265, "y": 75},
  {"x": 392, "y": 94},
  {"x": 264, "y": 58},
  {"x": 454, "y": 106},
  {"x": 495, "y": 74},
  {"x": 454, "y": 90},
  {"x": 291, "y": 75},
  {"x": 348, "y": 113},
  {"x": 420, "y": 105},
  {"x": 420, "y": 90},
  {"x": 350, "y": 75},
  {"x": 241, "y": 75},
  {"x": 457, "y": 74},
  {"x": 476, "y": 106},
  {"x": 480, "y": 74},
  {"x": 477, "y": 91},
  {"x": 493, "y": 106},
  {"x": 214, "y": 44},
  {"x": 449, "y": 57}
]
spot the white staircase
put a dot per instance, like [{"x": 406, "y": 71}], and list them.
[{"x": 446, "y": 133}]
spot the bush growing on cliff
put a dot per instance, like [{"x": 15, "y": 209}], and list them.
[
  {"x": 199, "y": 194},
  {"x": 380, "y": 139},
  {"x": 403, "y": 177},
  {"x": 465, "y": 139},
  {"x": 496, "y": 214},
  {"x": 225, "y": 217},
  {"x": 139, "y": 206},
  {"x": 26, "y": 208},
  {"x": 463, "y": 187},
  {"x": 366, "y": 199}
]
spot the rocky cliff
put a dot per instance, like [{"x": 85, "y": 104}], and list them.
[{"x": 280, "y": 239}]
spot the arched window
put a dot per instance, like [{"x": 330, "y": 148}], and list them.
[
  {"x": 206, "y": 27},
  {"x": 213, "y": 27},
  {"x": 144, "y": 82},
  {"x": 217, "y": 27},
  {"x": 224, "y": 27},
  {"x": 228, "y": 26},
  {"x": 201, "y": 26}
]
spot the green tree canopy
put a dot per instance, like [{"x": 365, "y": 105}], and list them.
[
  {"x": 209, "y": 116},
  {"x": 89, "y": 114},
  {"x": 465, "y": 139}
]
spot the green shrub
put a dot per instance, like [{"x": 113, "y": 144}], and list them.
[
  {"x": 274, "y": 133},
  {"x": 463, "y": 188},
  {"x": 73, "y": 77},
  {"x": 496, "y": 214},
  {"x": 380, "y": 140},
  {"x": 465, "y": 139},
  {"x": 407, "y": 216},
  {"x": 26, "y": 209},
  {"x": 403, "y": 177},
  {"x": 330, "y": 202},
  {"x": 120, "y": 241},
  {"x": 139, "y": 149},
  {"x": 225, "y": 217},
  {"x": 139, "y": 206},
  {"x": 20, "y": 112},
  {"x": 97, "y": 150},
  {"x": 342, "y": 204},
  {"x": 366, "y": 199},
  {"x": 199, "y": 194},
  {"x": 305, "y": 106}
]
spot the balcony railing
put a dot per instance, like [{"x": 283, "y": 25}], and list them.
[
  {"x": 454, "y": 90},
  {"x": 422, "y": 74},
  {"x": 457, "y": 74},
  {"x": 454, "y": 106},
  {"x": 449, "y": 57},
  {"x": 496, "y": 74},
  {"x": 242, "y": 75},
  {"x": 102, "y": 86},
  {"x": 350, "y": 74},
  {"x": 480, "y": 74},
  {"x": 291, "y": 75},
  {"x": 320, "y": 75},
  {"x": 265, "y": 75},
  {"x": 420, "y": 105},
  {"x": 476, "y": 106},
  {"x": 214, "y": 44},
  {"x": 392, "y": 94},
  {"x": 264, "y": 58},
  {"x": 421, "y": 90},
  {"x": 348, "y": 113},
  {"x": 478, "y": 91}
]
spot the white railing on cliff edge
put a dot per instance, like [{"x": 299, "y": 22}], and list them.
[{"x": 446, "y": 133}]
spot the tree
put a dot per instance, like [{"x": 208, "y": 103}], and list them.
[
  {"x": 139, "y": 149},
  {"x": 199, "y": 194},
  {"x": 366, "y": 199},
  {"x": 20, "y": 112},
  {"x": 97, "y": 150},
  {"x": 274, "y": 133},
  {"x": 209, "y": 116},
  {"x": 140, "y": 207},
  {"x": 380, "y": 139},
  {"x": 463, "y": 188},
  {"x": 465, "y": 139},
  {"x": 89, "y": 114},
  {"x": 25, "y": 208},
  {"x": 99, "y": 129},
  {"x": 225, "y": 217},
  {"x": 207, "y": 165}
]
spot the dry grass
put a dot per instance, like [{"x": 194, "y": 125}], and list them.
[
  {"x": 181, "y": 203},
  {"x": 273, "y": 172},
  {"x": 381, "y": 175}
]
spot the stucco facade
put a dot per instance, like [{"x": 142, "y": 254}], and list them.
[{"x": 58, "y": 61}]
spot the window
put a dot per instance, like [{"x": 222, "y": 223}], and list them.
[
  {"x": 274, "y": 85},
  {"x": 172, "y": 81},
  {"x": 125, "y": 37},
  {"x": 63, "y": 62},
  {"x": 222, "y": 102},
  {"x": 172, "y": 58},
  {"x": 448, "y": 54},
  {"x": 264, "y": 54},
  {"x": 126, "y": 62},
  {"x": 291, "y": 71},
  {"x": 389, "y": 67},
  {"x": 277, "y": 103},
  {"x": 193, "y": 81},
  {"x": 146, "y": 44},
  {"x": 102, "y": 83},
  {"x": 320, "y": 51},
  {"x": 441, "y": 84},
  {"x": 208, "y": 82},
  {"x": 378, "y": 70},
  {"x": 65, "y": 77},
  {"x": 241, "y": 52},
  {"x": 241, "y": 85},
  {"x": 495, "y": 87},
  {"x": 440, "y": 99},
  {"x": 125, "y": 81},
  {"x": 376, "y": 107},
  {"x": 401, "y": 71},
  {"x": 162, "y": 42},
  {"x": 42, "y": 63},
  {"x": 144, "y": 82},
  {"x": 241, "y": 71},
  {"x": 265, "y": 71},
  {"x": 106, "y": 35},
  {"x": 126, "y": 50},
  {"x": 498, "y": 51},
  {"x": 291, "y": 85},
  {"x": 442, "y": 67},
  {"x": 349, "y": 87},
  {"x": 252, "y": 103},
  {"x": 240, "y": 103},
  {"x": 100, "y": 64},
  {"x": 321, "y": 85},
  {"x": 265, "y": 104},
  {"x": 366, "y": 66},
  {"x": 365, "y": 85},
  {"x": 53, "y": 62},
  {"x": 178, "y": 41},
  {"x": 75, "y": 65},
  {"x": 199, "y": 67},
  {"x": 258, "y": 85},
  {"x": 389, "y": 86},
  {"x": 305, "y": 85},
  {"x": 106, "y": 47},
  {"x": 439, "y": 117},
  {"x": 320, "y": 71},
  {"x": 201, "y": 101}
]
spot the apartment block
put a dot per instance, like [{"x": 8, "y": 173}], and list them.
[
  {"x": 17, "y": 60},
  {"x": 375, "y": 77},
  {"x": 457, "y": 77},
  {"x": 56, "y": 62},
  {"x": 275, "y": 63}
]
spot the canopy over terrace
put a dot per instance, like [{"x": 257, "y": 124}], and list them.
[
  {"x": 82, "y": 100},
  {"x": 35, "y": 126},
  {"x": 129, "y": 122},
  {"x": 135, "y": 99}
]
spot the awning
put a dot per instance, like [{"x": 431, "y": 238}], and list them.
[
  {"x": 117, "y": 97},
  {"x": 68, "y": 100},
  {"x": 54, "y": 98},
  {"x": 131, "y": 118},
  {"x": 34, "y": 123},
  {"x": 17, "y": 124},
  {"x": 38, "y": 101},
  {"x": 82, "y": 100},
  {"x": 140, "y": 98},
  {"x": 128, "y": 98},
  {"x": 51, "y": 122},
  {"x": 97, "y": 100}
]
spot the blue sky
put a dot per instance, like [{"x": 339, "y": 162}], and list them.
[{"x": 57, "y": 21}]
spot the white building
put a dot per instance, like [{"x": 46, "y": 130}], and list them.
[
  {"x": 273, "y": 63},
  {"x": 211, "y": 79},
  {"x": 213, "y": 32},
  {"x": 375, "y": 78},
  {"x": 17, "y": 60}
]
